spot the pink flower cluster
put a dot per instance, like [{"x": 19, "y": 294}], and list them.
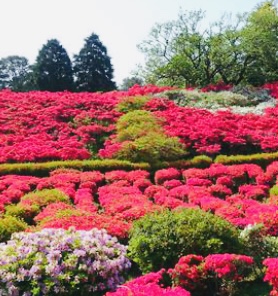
[
  {"x": 148, "y": 285},
  {"x": 271, "y": 274},
  {"x": 42, "y": 126},
  {"x": 223, "y": 132},
  {"x": 192, "y": 271},
  {"x": 113, "y": 200},
  {"x": 273, "y": 87}
]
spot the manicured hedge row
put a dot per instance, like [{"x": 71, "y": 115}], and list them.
[
  {"x": 201, "y": 161},
  {"x": 261, "y": 159},
  {"x": 43, "y": 169}
]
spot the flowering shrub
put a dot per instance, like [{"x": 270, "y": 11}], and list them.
[
  {"x": 228, "y": 266},
  {"x": 83, "y": 220},
  {"x": 189, "y": 272},
  {"x": 218, "y": 273},
  {"x": 166, "y": 175},
  {"x": 271, "y": 274},
  {"x": 148, "y": 285},
  {"x": 59, "y": 262},
  {"x": 204, "y": 132}
]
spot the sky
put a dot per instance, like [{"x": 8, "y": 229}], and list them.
[{"x": 26, "y": 25}]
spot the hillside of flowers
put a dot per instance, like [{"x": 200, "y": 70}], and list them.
[{"x": 186, "y": 223}]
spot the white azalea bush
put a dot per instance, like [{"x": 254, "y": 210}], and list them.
[
  {"x": 240, "y": 103},
  {"x": 61, "y": 262}
]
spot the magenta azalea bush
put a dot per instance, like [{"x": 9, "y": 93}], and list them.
[
  {"x": 61, "y": 262},
  {"x": 148, "y": 284}
]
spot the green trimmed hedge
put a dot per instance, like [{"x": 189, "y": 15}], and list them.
[
  {"x": 43, "y": 169},
  {"x": 261, "y": 159},
  {"x": 200, "y": 161}
]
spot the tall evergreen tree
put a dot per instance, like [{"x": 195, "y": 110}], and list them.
[
  {"x": 92, "y": 67},
  {"x": 53, "y": 69}
]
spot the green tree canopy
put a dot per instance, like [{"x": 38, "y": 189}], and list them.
[
  {"x": 128, "y": 82},
  {"x": 14, "y": 73},
  {"x": 261, "y": 41},
  {"x": 92, "y": 67},
  {"x": 243, "y": 48},
  {"x": 53, "y": 69}
]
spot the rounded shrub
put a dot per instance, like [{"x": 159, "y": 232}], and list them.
[
  {"x": 61, "y": 262},
  {"x": 158, "y": 240},
  {"x": 152, "y": 148},
  {"x": 136, "y": 124}
]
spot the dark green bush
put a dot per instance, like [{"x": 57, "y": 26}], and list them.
[
  {"x": 9, "y": 225},
  {"x": 128, "y": 104},
  {"x": 158, "y": 240}
]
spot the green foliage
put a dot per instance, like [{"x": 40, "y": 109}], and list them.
[
  {"x": 44, "y": 197},
  {"x": 9, "y": 225},
  {"x": 53, "y": 70},
  {"x": 274, "y": 190},
  {"x": 194, "y": 98},
  {"x": 131, "y": 81},
  {"x": 261, "y": 159},
  {"x": 25, "y": 212},
  {"x": 234, "y": 49},
  {"x": 44, "y": 168},
  {"x": 152, "y": 148},
  {"x": 144, "y": 140},
  {"x": 15, "y": 73},
  {"x": 31, "y": 204},
  {"x": 258, "y": 244},
  {"x": 260, "y": 38},
  {"x": 160, "y": 239},
  {"x": 129, "y": 104},
  {"x": 92, "y": 67},
  {"x": 136, "y": 124},
  {"x": 200, "y": 161},
  {"x": 254, "y": 95}
]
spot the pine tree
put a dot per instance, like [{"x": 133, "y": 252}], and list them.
[
  {"x": 92, "y": 67},
  {"x": 53, "y": 69}
]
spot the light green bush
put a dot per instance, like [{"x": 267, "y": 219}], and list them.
[{"x": 9, "y": 225}]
